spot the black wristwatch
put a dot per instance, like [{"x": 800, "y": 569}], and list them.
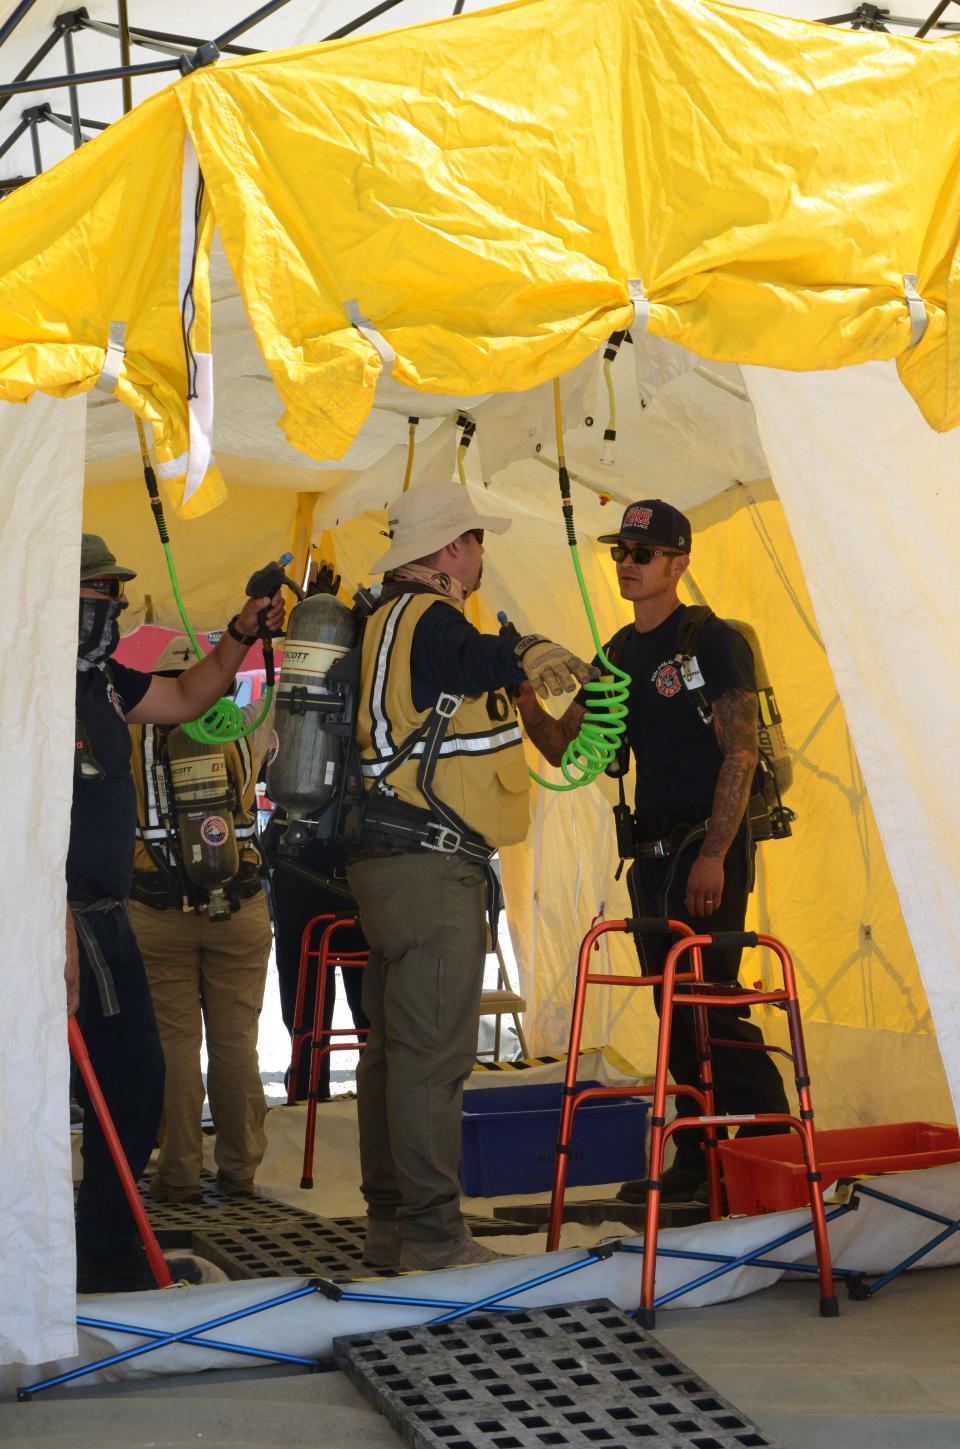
[{"x": 234, "y": 633}]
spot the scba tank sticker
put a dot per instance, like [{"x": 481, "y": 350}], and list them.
[
  {"x": 304, "y": 656},
  {"x": 274, "y": 749},
  {"x": 214, "y": 830},
  {"x": 666, "y": 678}
]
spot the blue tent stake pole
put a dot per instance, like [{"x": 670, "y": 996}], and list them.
[
  {"x": 167, "y": 1338},
  {"x": 494, "y": 1298},
  {"x": 200, "y": 1342}
]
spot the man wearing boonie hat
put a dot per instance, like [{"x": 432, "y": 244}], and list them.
[
  {"x": 206, "y": 976},
  {"x": 106, "y": 981},
  {"x": 694, "y": 853},
  {"x": 446, "y": 786}
]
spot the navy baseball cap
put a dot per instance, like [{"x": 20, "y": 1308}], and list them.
[{"x": 652, "y": 521}]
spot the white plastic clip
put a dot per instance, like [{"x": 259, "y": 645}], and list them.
[
  {"x": 918, "y": 313},
  {"x": 113, "y": 358},
  {"x": 376, "y": 339},
  {"x": 641, "y": 304}
]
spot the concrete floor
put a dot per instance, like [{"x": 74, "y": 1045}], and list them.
[{"x": 885, "y": 1375}]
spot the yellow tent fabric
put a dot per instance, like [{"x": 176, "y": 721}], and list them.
[
  {"x": 860, "y": 986},
  {"x": 485, "y": 190}
]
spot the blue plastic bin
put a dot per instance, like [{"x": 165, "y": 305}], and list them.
[{"x": 510, "y": 1139}]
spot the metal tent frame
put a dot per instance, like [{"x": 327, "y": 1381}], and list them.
[{"x": 188, "y": 52}]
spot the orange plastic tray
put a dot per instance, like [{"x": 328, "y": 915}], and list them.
[{"x": 766, "y": 1174}]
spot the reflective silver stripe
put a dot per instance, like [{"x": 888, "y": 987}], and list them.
[
  {"x": 918, "y": 313},
  {"x": 477, "y": 745},
  {"x": 149, "y": 786},
  {"x": 378, "y": 710}
]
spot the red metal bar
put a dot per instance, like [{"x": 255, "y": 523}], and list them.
[
  {"x": 299, "y": 1029},
  {"x": 660, "y": 1132},
  {"x": 318, "y": 1047},
  {"x": 78, "y": 1050},
  {"x": 570, "y": 1098}
]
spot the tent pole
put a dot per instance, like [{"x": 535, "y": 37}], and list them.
[
  {"x": 932, "y": 19},
  {"x": 362, "y": 20},
  {"x": 250, "y": 22},
  {"x": 10, "y": 25},
  {"x": 38, "y": 55},
  {"x": 82, "y": 78},
  {"x": 74, "y": 95},
  {"x": 124, "y": 27}
]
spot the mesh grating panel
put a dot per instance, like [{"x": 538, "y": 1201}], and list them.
[{"x": 573, "y": 1376}]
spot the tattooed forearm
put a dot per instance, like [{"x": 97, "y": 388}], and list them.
[
  {"x": 551, "y": 736},
  {"x": 735, "y": 725}
]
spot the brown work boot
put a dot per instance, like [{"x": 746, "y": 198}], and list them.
[
  {"x": 382, "y": 1246},
  {"x": 162, "y": 1191},
  {"x": 235, "y": 1186},
  {"x": 419, "y": 1256}
]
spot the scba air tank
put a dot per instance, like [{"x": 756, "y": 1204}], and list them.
[
  {"x": 203, "y": 799},
  {"x": 306, "y": 757}
]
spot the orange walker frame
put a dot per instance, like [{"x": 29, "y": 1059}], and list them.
[
  {"x": 78, "y": 1050},
  {"x": 321, "y": 1043},
  {"x": 688, "y": 988}
]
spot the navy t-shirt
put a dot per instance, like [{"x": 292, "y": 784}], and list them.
[
  {"x": 676, "y": 756},
  {"x": 103, "y": 819}
]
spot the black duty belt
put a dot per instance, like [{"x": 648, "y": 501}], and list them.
[
  {"x": 421, "y": 834},
  {"x": 679, "y": 838}
]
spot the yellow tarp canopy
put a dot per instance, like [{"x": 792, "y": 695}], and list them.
[{"x": 486, "y": 190}]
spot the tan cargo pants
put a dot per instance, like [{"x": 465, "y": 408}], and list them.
[
  {"x": 208, "y": 975},
  {"x": 423, "y": 917}
]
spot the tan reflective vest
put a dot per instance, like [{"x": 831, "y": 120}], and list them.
[
  {"x": 242, "y": 758},
  {"x": 481, "y": 774}
]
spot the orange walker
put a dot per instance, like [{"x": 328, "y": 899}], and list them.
[
  {"x": 686, "y": 987},
  {"x": 322, "y": 1043}
]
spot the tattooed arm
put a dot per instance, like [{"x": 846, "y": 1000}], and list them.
[
  {"x": 551, "y": 736},
  {"x": 735, "y": 726}
]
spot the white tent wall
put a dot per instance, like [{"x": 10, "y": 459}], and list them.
[
  {"x": 872, "y": 498},
  {"x": 41, "y": 480}
]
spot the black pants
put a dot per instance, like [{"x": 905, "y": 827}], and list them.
[
  {"x": 296, "y": 900},
  {"x": 127, "y": 1059},
  {"x": 744, "y": 1081}
]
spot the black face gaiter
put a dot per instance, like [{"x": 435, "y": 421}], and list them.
[{"x": 99, "y": 631}]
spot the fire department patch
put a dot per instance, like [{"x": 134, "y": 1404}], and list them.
[
  {"x": 637, "y": 518},
  {"x": 667, "y": 679}
]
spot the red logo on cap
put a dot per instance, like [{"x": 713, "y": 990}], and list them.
[{"x": 637, "y": 518}]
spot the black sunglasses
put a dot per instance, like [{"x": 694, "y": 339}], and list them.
[
  {"x": 112, "y": 588},
  {"x": 477, "y": 533},
  {"x": 640, "y": 553}
]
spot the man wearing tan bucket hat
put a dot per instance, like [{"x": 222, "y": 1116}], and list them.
[{"x": 447, "y": 785}]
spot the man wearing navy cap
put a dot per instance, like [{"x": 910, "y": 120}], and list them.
[{"x": 694, "y": 776}]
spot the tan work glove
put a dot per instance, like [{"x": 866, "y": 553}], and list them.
[{"x": 551, "y": 668}]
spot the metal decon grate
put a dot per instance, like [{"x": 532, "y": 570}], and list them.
[{"x": 573, "y": 1376}]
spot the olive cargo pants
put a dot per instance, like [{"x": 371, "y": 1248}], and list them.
[{"x": 423, "y": 916}]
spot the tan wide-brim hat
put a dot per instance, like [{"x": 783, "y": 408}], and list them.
[{"x": 429, "y": 517}]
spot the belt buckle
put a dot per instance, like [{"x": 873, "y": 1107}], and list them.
[
  {"x": 660, "y": 848},
  {"x": 447, "y": 841}
]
